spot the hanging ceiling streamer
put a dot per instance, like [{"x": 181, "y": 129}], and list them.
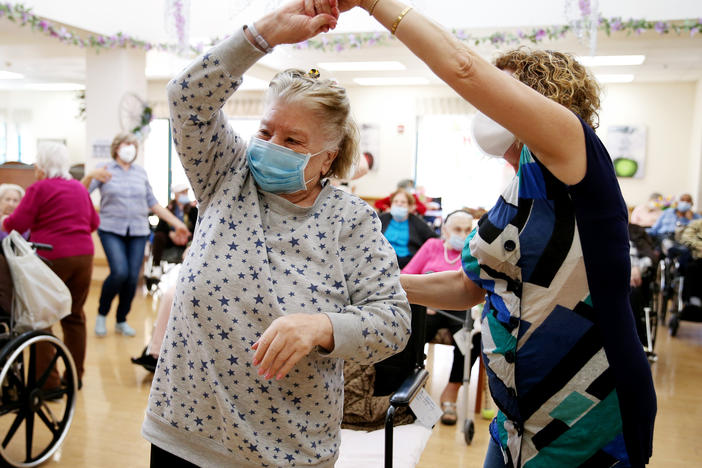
[
  {"x": 177, "y": 19},
  {"x": 583, "y": 16}
]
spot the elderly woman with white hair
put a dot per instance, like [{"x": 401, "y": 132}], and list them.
[
  {"x": 10, "y": 196},
  {"x": 58, "y": 211}
]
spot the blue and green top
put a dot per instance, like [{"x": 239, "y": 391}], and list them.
[{"x": 564, "y": 363}]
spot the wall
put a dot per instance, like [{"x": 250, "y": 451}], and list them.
[
  {"x": 53, "y": 114},
  {"x": 667, "y": 111}
]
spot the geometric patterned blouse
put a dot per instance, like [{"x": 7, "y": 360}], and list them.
[{"x": 564, "y": 363}]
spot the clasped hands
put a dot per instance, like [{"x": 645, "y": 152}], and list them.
[{"x": 300, "y": 20}]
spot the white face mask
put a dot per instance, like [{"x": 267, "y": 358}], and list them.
[
  {"x": 127, "y": 153},
  {"x": 492, "y": 138}
]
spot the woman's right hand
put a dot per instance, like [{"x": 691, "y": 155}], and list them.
[
  {"x": 298, "y": 21},
  {"x": 101, "y": 174}
]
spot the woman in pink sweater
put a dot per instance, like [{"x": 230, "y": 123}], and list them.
[
  {"x": 444, "y": 254},
  {"x": 58, "y": 211}
]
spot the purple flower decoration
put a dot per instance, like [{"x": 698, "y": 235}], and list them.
[
  {"x": 540, "y": 35},
  {"x": 616, "y": 25},
  {"x": 584, "y": 6},
  {"x": 339, "y": 47},
  {"x": 43, "y": 25},
  {"x": 660, "y": 27}
]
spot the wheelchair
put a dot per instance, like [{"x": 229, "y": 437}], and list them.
[
  {"x": 646, "y": 304},
  {"x": 34, "y": 420}
]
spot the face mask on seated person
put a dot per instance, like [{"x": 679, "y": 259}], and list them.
[
  {"x": 277, "y": 169},
  {"x": 183, "y": 199},
  {"x": 683, "y": 206},
  {"x": 492, "y": 138},
  {"x": 399, "y": 213},
  {"x": 456, "y": 242}
]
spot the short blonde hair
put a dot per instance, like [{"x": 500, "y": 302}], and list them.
[
  {"x": 52, "y": 158},
  {"x": 557, "y": 76},
  {"x": 123, "y": 138},
  {"x": 330, "y": 105}
]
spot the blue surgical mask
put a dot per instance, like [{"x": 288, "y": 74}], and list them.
[
  {"x": 277, "y": 169},
  {"x": 683, "y": 206},
  {"x": 456, "y": 242},
  {"x": 399, "y": 213},
  {"x": 183, "y": 199}
]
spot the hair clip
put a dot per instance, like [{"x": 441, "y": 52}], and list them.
[{"x": 313, "y": 73}]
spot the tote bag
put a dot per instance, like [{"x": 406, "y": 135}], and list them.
[{"x": 40, "y": 297}]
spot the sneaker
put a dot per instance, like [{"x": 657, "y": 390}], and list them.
[
  {"x": 100, "y": 325},
  {"x": 124, "y": 329}
]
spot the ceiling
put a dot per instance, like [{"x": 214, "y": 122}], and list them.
[{"x": 42, "y": 59}]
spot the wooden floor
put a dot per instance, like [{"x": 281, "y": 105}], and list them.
[{"x": 110, "y": 408}]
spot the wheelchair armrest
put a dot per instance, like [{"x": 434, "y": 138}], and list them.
[{"x": 409, "y": 388}]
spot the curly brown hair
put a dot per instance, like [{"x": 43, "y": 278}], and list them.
[{"x": 558, "y": 76}]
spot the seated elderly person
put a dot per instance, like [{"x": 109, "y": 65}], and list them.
[
  {"x": 166, "y": 244},
  {"x": 286, "y": 277},
  {"x": 675, "y": 218},
  {"x": 406, "y": 231},
  {"x": 10, "y": 196},
  {"x": 646, "y": 214},
  {"x": 444, "y": 254}
]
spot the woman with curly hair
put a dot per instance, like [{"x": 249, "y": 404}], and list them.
[{"x": 551, "y": 259}]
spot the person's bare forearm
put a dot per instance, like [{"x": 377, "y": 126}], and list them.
[
  {"x": 449, "y": 290},
  {"x": 166, "y": 215}
]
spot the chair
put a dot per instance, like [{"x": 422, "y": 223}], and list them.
[{"x": 360, "y": 448}]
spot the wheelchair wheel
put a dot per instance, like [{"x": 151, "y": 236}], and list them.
[
  {"x": 34, "y": 421},
  {"x": 468, "y": 431}
]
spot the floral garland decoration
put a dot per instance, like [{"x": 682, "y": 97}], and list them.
[
  {"x": 142, "y": 129},
  {"x": 23, "y": 16}
]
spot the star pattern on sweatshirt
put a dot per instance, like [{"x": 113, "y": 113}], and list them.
[{"x": 254, "y": 259}]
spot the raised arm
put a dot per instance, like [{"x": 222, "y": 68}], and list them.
[
  {"x": 207, "y": 146},
  {"x": 550, "y": 130}
]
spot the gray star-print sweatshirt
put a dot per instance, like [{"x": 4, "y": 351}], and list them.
[{"x": 255, "y": 257}]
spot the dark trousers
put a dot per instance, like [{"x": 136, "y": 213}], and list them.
[
  {"x": 437, "y": 321},
  {"x": 125, "y": 254},
  {"x": 160, "y": 458},
  {"x": 76, "y": 273}
]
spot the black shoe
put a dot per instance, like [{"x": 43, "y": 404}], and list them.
[
  {"x": 65, "y": 384},
  {"x": 146, "y": 361}
]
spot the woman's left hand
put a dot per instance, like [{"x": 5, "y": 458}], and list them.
[
  {"x": 298, "y": 21},
  {"x": 288, "y": 339}
]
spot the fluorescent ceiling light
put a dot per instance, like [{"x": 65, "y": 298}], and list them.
[
  {"x": 391, "y": 81},
  {"x": 54, "y": 86},
  {"x": 624, "y": 78},
  {"x": 6, "y": 75},
  {"x": 611, "y": 60},
  {"x": 362, "y": 66}
]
